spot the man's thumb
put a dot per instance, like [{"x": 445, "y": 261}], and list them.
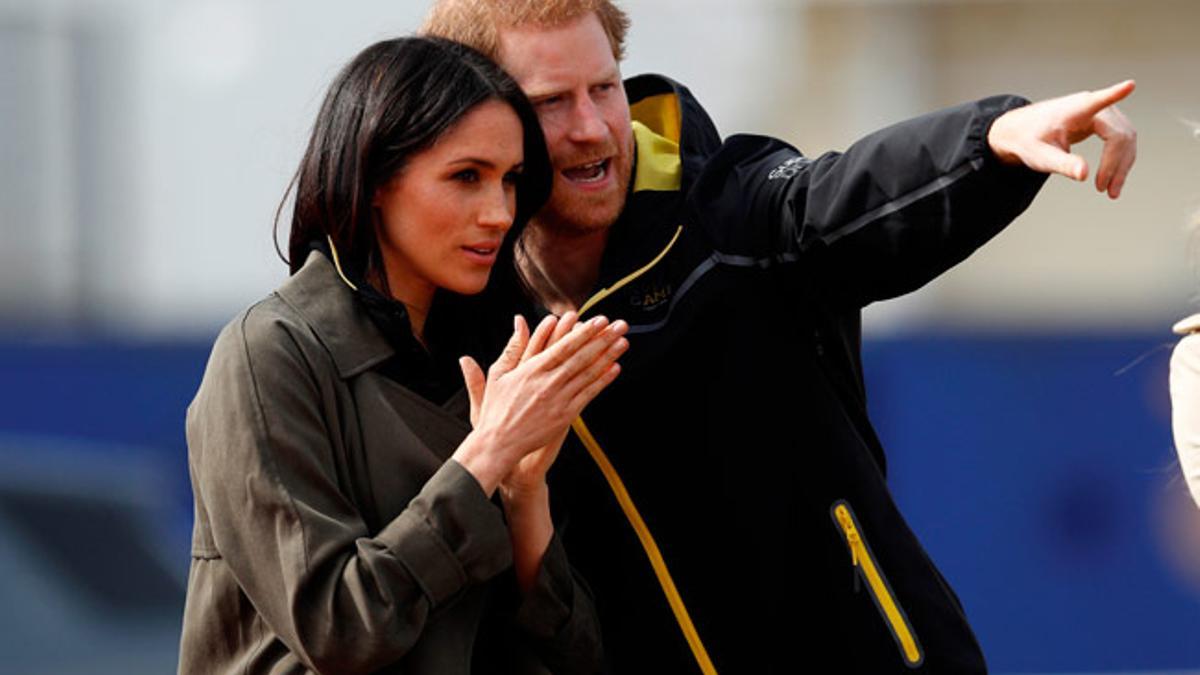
[{"x": 1064, "y": 163}]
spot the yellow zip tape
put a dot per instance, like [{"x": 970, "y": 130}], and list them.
[
  {"x": 860, "y": 556},
  {"x": 626, "y": 502},
  {"x": 648, "y": 544}
]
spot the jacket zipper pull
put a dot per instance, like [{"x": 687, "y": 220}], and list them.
[
  {"x": 852, "y": 535},
  {"x": 853, "y": 541}
]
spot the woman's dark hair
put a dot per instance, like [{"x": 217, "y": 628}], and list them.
[{"x": 395, "y": 99}]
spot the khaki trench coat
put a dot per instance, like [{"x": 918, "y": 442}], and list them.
[{"x": 332, "y": 534}]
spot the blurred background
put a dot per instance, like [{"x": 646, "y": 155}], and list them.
[{"x": 145, "y": 144}]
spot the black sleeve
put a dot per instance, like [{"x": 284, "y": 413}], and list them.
[{"x": 895, "y": 210}]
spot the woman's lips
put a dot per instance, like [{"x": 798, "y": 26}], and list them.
[{"x": 482, "y": 253}]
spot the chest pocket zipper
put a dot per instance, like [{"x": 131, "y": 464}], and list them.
[{"x": 881, "y": 594}]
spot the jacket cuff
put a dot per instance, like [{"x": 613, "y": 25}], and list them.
[
  {"x": 558, "y": 614},
  {"x": 991, "y": 108},
  {"x": 450, "y": 536},
  {"x": 546, "y": 607}
]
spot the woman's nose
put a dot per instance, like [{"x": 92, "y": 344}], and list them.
[{"x": 498, "y": 208}]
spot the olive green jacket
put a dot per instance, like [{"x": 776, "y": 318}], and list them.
[{"x": 332, "y": 534}]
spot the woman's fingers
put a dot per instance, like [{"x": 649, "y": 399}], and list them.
[
  {"x": 511, "y": 356},
  {"x": 565, "y": 324},
  {"x": 532, "y": 401},
  {"x": 575, "y": 340},
  {"x": 578, "y": 362},
  {"x": 592, "y": 389},
  {"x": 542, "y": 339},
  {"x": 475, "y": 383},
  {"x": 541, "y": 336},
  {"x": 596, "y": 357}
]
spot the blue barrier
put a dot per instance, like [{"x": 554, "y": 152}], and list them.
[
  {"x": 1040, "y": 475},
  {"x": 1037, "y": 470}
]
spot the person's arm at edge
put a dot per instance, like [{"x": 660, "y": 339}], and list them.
[{"x": 1185, "y": 409}]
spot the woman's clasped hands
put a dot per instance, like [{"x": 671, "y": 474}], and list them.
[{"x": 521, "y": 410}]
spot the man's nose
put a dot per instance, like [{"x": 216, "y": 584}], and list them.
[{"x": 587, "y": 125}]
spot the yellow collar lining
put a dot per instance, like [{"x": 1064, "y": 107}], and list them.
[{"x": 658, "y": 165}]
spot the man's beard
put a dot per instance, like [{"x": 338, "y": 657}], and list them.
[
  {"x": 573, "y": 211},
  {"x": 581, "y": 216}
]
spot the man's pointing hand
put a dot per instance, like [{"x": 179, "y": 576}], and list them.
[{"x": 1040, "y": 136}]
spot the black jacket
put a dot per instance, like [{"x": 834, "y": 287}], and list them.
[{"x": 739, "y": 422}]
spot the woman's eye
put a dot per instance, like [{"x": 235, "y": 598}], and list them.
[
  {"x": 466, "y": 176},
  {"x": 512, "y": 177}
]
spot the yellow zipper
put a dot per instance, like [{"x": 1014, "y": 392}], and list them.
[
  {"x": 674, "y": 599},
  {"x": 649, "y": 546},
  {"x": 605, "y": 292},
  {"x": 860, "y": 557}
]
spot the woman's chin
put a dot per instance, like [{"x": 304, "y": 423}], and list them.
[{"x": 472, "y": 285}]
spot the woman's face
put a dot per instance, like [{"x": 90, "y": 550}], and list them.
[{"x": 443, "y": 216}]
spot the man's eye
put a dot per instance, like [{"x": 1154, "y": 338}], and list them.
[
  {"x": 466, "y": 176},
  {"x": 548, "y": 102}
]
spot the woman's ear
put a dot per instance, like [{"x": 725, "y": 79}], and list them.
[
  {"x": 381, "y": 191},
  {"x": 377, "y": 199}
]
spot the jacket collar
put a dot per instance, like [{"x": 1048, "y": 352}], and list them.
[
  {"x": 658, "y": 167},
  {"x": 673, "y": 137},
  {"x": 327, "y": 305},
  {"x": 668, "y": 109}
]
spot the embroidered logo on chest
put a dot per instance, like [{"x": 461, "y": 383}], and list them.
[{"x": 650, "y": 296}]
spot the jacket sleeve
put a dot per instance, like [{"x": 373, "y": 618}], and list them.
[
  {"x": 560, "y": 618},
  {"x": 1185, "y": 409},
  {"x": 895, "y": 210},
  {"x": 341, "y": 598}
]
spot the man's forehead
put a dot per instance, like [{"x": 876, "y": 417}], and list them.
[{"x": 548, "y": 56}]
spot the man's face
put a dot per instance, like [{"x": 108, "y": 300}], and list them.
[{"x": 570, "y": 75}]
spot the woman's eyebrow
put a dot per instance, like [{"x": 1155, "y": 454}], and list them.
[
  {"x": 479, "y": 161},
  {"x": 487, "y": 163}
]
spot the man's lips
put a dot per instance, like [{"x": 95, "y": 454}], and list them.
[{"x": 592, "y": 172}]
